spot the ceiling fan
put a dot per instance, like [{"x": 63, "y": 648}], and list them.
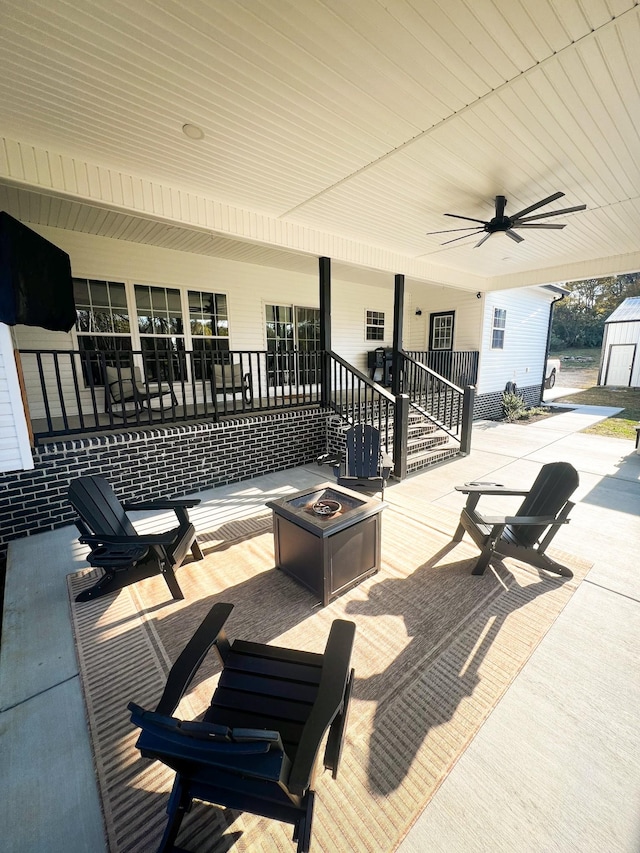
[{"x": 501, "y": 222}]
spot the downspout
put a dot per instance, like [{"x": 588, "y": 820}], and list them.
[{"x": 546, "y": 352}]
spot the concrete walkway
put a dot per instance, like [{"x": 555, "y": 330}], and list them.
[{"x": 555, "y": 766}]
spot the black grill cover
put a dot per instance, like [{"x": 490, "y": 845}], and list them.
[{"x": 36, "y": 288}]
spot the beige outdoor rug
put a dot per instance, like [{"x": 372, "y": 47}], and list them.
[{"x": 435, "y": 650}]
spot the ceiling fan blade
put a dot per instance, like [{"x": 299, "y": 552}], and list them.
[
  {"x": 449, "y": 230},
  {"x": 463, "y": 237},
  {"x": 501, "y": 203},
  {"x": 540, "y": 225},
  {"x": 551, "y": 213},
  {"x": 468, "y": 218},
  {"x": 514, "y": 236},
  {"x": 537, "y": 205},
  {"x": 484, "y": 239}
]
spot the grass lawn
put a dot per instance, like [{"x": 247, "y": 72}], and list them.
[{"x": 620, "y": 425}]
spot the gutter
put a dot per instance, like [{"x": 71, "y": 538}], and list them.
[{"x": 546, "y": 351}]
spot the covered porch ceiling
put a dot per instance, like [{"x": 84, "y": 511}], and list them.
[{"x": 345, "y": 128}]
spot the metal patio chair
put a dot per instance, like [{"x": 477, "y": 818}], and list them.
[{"x": 255, "y": 748}]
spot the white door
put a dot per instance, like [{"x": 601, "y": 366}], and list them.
[{"x": 620, "y": 364}]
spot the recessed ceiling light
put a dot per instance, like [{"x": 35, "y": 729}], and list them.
[{"x": 192, "y": 131}]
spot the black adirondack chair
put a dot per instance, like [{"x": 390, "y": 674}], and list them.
[
  {"x": 256, "y": 747},
  {"x": 125, "y": 555},
  {"x": 363, "y": 466},
  {"x": 527, "y": 534}
]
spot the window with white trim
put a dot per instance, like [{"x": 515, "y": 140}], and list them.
[
  {"x": 114, "y": 319},
  {"x": 441, "y": 331},
  {"x": 499, "y": 325},
  {"x": 374, "y": 326}
]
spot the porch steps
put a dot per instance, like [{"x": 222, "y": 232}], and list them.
[{"x": 427, "y": 444}]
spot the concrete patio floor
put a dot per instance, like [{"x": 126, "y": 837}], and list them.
[{"x": 554, "y": 768}]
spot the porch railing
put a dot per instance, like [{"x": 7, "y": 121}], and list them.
[
  {"x": 460, "y": 368},
  {"x": 74, "y": 391},
  {"x": 357, "y": 399},
  {"x": 439, "y": 400}
]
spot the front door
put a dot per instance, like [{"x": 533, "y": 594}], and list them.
[{"x": 620, "y": 364}]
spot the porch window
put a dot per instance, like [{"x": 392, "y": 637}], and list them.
[
  {"x": 292, "y": 331},
  {"x": 441, "y": 331},
  {"x": 374, "y": 326},
  {"x": 499, "y": 325},
  {"x": 161, "y": 330},
  {"x": 209, "y": 327},
  {"x": 103, "y": 327}
]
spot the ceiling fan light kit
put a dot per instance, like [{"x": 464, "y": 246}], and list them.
[{"x": 507, "y": 224}]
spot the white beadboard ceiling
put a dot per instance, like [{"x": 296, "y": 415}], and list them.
[{"x": 345, "y": 128}]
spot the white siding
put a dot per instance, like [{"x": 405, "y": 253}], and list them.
[
  {"x": 431, "y": 299},
  {"x": 617, "y": 334},
  {"x": 248, "y": 287},
  {"x": 15, "y": 452},
  {"x": 522, "y": 359}
]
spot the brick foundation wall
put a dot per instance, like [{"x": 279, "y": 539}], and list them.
[
  {"x": 489, "y": 406},
  {"x": 170, "y": 461}
]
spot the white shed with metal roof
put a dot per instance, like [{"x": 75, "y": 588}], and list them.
[{"x": 620, "y": 363}]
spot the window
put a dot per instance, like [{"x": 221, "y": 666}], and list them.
[
  {"x": 103, "y": 326},
  {"x": 499, "y": 324},
  {"x": 209, "y": 327},
  {"x": 375, "y": 326},
  {"x": 293, "y": 335},
  {"x": 441, "y": 331},
  {"x": 161, "y": 330},
  {"x": 114, "y": 319}
]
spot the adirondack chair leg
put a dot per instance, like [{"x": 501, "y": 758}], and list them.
[
  {"x": 171, "y": 581},
  {"x": 196, "y": 551},
  {"x": 102, "y": 587},
  {"x": 179, "y": 805},
  {"x": 541, "y": 561},
  {"x": 302, "y": 831},
  {"x": 458, "y": 535},
  {"x": 483, "y": 561}
]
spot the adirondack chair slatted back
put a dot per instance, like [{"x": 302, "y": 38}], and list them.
[
  {"x": 97, "y": 505},
  {"x": 363, "y": 451},
  {"x": 550, "y": 491}
]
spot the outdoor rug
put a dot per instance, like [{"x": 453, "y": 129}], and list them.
[{"x": 435, "y": 650}]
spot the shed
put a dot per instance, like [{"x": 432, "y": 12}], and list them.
[{"x": 620, "y": 364}]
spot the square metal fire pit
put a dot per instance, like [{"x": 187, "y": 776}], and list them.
[{"x": 327, "y": 553}]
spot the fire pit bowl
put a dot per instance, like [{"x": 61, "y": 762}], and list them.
[{"x": 326, "y": 508}]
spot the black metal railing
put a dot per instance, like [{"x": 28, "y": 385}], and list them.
[
  {"x": 460, "y": 368},
  {"x": 437, "y": 399},
  {"x": 81, "y": 391},
  {"x": 357, "y": 399},
  {"x": 78, "y": 391}
]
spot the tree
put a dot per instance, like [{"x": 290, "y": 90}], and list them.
[{"x": 578, "y": 320}]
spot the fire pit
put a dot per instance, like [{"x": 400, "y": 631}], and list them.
[{"x": 327, "y": 538}]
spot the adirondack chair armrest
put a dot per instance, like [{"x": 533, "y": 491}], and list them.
[
  {"x": 485, "y": 488},
  {"x": 335, "y": 459},
  {"x": 184, "y": 669},
  {"x": 525, "y": 520},
  {"x": 142, "y": 539},
  {"x": 330, "y": 702},
  {"x": 257, "y": 754},
  {"x": 161, "y": 503}
]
